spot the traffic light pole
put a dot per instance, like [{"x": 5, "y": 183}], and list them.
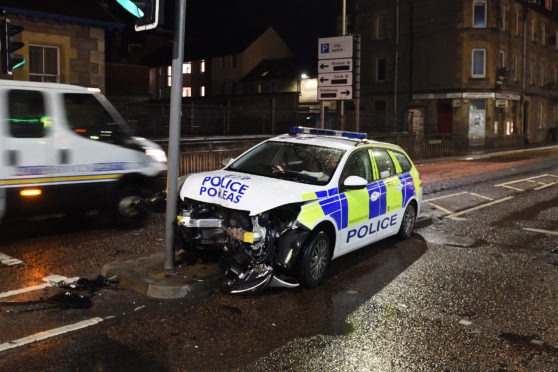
[{"x": 174, "y": 133}]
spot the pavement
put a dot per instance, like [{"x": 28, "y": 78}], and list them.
[{"x": 190, "y": 277}]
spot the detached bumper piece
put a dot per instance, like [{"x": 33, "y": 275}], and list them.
[{"x": 251, "y": 281}]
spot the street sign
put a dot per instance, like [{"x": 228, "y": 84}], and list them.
[
  {"x": 335, "y": 65},
  {"x": 335, "y": 47},
  {"x": 333, "y": 93},
  {"x": 334, "y": 79}
]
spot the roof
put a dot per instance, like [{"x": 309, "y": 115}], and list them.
[
  {"x": 338, "y": 142},
  {"x": 87, "y": 12},
  {"x": 51, "y": 86},
  {"x": 272, "y": 69}
]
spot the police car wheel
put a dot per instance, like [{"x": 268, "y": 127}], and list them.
[
  {"x": 408, "y": 223},
  {"x": 313, "y": 263}
]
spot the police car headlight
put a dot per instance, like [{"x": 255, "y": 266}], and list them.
[{"x": 156, "y": 154}]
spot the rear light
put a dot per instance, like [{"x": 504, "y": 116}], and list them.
[{"x": 30, "y": 192}]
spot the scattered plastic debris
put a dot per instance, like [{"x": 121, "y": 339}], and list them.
[
  {"x": 465, "y": 322},
  {"x": 91, "y": 285},
  {"x": 139, "y": 307}
]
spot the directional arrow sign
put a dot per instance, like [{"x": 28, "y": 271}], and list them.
[
  {"x": 333, "y": 79},
  {"x": 335, "y": 65},
  {"x": 344, "y": 93}
]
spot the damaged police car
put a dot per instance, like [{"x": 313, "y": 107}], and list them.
[{"x": 280, "y": 212}]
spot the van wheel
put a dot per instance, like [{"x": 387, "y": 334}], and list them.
[
  {"x": 314, "y": 261},
  {"x": 126, "y": 213},
  {"x": 408, "y": 223}
]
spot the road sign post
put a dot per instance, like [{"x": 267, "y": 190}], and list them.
[{"x": 174, "y": 134}]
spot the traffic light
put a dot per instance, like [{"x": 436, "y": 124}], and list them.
[
  {"x": 149, "y": 13},
  {"x": 7, "y": 32}
]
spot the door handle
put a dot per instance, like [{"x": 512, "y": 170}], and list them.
[
  {"x": 12, "y": 158},
  {"x": 374, "y": 196}
]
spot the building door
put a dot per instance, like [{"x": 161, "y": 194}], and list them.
[
  {"x": 477, "y": 122},
  {"x": 445, "y": 117}
]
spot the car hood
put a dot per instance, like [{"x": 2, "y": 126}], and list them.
[{"x": 246, "y": 192}]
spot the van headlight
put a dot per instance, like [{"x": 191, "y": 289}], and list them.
[{"x": 156, "y": 154}]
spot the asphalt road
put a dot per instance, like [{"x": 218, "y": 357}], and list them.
[{"x": 476, "y": 290}]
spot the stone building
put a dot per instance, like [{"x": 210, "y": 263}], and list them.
[
  {"x": 464, "y": 72},
  {"x": 64, "y": 40}
]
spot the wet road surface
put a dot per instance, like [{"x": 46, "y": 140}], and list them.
[{"x": 475, "y": 291}]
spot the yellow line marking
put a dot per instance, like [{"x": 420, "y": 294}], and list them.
[{"x": 437, "y": 206}]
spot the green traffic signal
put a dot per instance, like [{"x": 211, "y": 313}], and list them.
[{"x": 131, "y": 8}]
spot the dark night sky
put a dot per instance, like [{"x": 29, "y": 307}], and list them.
[{"x": 215, "y": 27}]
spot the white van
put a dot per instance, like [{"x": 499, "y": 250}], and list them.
[{"x": 65, "y": 148}]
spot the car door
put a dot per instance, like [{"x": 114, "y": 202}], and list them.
[
  {"x": 356, "y": 205},
  {"x": 26, "y": 149},
  {"x": 392, "y": 192}
]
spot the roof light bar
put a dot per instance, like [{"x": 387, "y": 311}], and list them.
[{"x": 327, "y": 132}]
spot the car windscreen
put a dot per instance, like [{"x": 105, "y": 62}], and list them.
[{"x": 297, "y": 162}]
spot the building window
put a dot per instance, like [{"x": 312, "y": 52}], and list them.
[
  {"x": 555, "y": 75},
  {"x": 542, "y": 73},
  {"x": 44, "y": 64},
  {"x": 548, "y": 5},
  {"x": 202, "y": 66},
  {"x": 202, "y": 91},
  {"x": 543, "y": 34},
  {"x": 169, "y": 76},
  {"x": 479, "y": 13},
  {"x": 186, "y": 92},
  {"x": 233, "y": 58},
  {"x": 515, "y": 67},
  {"x": 187, "y": 68},
  {"x": 381, "y": 69},
  {"x": 516, "y": 23},
  {"x": 533, "y": 30},
  {"x": 503, "y": 17},
  {"x": 502, "y": 58},
  {"x": 479, "y": 63},
  {"x": 540, "y": 115},
  {"x": 380, "y": 27},
  {"x": 531, "y": 71}
]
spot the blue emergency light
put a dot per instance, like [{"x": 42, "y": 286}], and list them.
[{"x": 326, "y": 132}]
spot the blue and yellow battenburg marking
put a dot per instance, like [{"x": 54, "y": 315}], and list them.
[{"x": 35, "y": 181}]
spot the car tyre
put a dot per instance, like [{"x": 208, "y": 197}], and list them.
[
  {"x": 314, "y": 261},
  {"x": 408, "y": 223}
]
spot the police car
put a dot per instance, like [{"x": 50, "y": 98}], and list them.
[{"x": 282, "y": 210}]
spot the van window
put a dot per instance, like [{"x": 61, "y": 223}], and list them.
[
  {"x": 403, "y": 161},
  {"x": 89, "y": 118},
  {"x": 386, "y": 168},
  {"x": 26, "y": 114}
]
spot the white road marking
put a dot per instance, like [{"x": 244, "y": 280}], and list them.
[
  {"x": 437, "y": 206},
  {"x": 479, "y": 207},
  {"x": 481, "y": 196},
  {"x": 530, "y": 179},
  {"x": 50, "y": 333},
  {"x": 547, "y": 185},
  {"x": 10, "y": 261},
  {"x": 446, "y": 196},
  {"x": 49, "y": 280},
  {"x": 541, "y": 231}
]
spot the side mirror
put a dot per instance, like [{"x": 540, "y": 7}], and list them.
[
  {"x": 355, "y": 183},
  {"x": 227, "y": 161}
]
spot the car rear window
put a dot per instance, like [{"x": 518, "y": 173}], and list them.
[{"x": 403, "y": 161}]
